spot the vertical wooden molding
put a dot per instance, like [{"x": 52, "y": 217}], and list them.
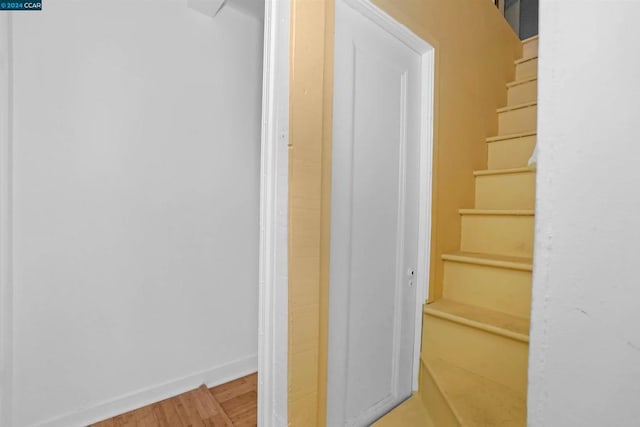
[
  {"x": 325, "y": 236},
  {"x": 306, "y": 130}
]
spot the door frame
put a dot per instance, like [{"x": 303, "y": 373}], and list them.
[
  {"x": 273, "y": 321},
  {"x": 427, "y": 54}
]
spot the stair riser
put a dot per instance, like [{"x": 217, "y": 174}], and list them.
[
  {"x": 530, "y": 48},
  {"x": 520, "y": 94},
  {"x": 494, "y": 288},
  {"x": 491, "y": 356},
  {"x": 527, "y": 69},
  {"x": 521, "y": 120},
  {"x": 434, "y": 402},
  {"x": 511, "y": 153},
  {"x": 508, "y": 235},
  {"x": 506, "y": 191}
]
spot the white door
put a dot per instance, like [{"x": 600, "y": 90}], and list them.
[{"x": 374, "y": 220}]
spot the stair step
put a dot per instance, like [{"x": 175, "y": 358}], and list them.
[
  {"x": 497, "y": 212},
  {"x": 530, "y": 46},
  {"x": 515, "y": 119},
  {"x": 510, "y": 151},
  {"x": 485, "y": 342},
  {"x": 521, "y": 91},
  {"x": 524, "y": 59},
  {"x": 491, "y": 321},
  {"x": 506, "y": 232},
  {"x": 526, "y": 67},
  {"x": 500, "y": 284},
  {"x": 512, "y": 188},
  {"x": 474, "y": 401},
  {"x": 498, "y": 138},
  {"x": 521, "y": 82},
  {"x": 517, "y": 107},
  {"x": 508, "y": 171},
  {"x": 514, "y": 263}
]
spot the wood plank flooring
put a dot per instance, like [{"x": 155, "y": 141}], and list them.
[{"x": 234, "y": 404}]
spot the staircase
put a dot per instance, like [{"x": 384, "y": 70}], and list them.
[{"x": 475, "y": 339}]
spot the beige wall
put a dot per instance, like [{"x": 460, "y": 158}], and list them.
[{"x": 475, "y": 49}]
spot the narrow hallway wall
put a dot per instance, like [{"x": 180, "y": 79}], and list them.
[
  {"x": 584, "y": 362},
  {"x": 136, "y": 205}
]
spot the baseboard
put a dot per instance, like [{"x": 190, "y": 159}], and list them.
[{"x": 211, "y": 377}]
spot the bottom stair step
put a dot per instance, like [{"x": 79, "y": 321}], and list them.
[
  {"x": 473, "y": 400},
  {"x": 491, "y": 344}
]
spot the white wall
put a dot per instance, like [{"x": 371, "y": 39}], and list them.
[
  {"x": 136, "y": 199},
  {"x": 585, "y": 339}
]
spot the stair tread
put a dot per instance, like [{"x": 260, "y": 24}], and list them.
[
  {"x": 475, "y": 400},
  {"x": 524, "y": 169},
  {"x": 509, "y": 212},
  {"x": 525, "y": 59},
  {"x": 518, "y": 263},
  {"x": 481, "y": 318},
  {"x": 510, "y": 136},
  {"x": 517, "y": 106},
  {"x": 522, "y": 81}
]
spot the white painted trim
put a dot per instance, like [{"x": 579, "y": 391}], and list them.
[
  {"x": 6, "y": 222},
  {"x": 424, "y": 213},
  {"x": 390, "y": 25},
  {"x": 372, "y": 414},
  {"x": 420, "y": 46},
  {"x": 211, "y": 377},
  {"x": 273, "y": 316}
]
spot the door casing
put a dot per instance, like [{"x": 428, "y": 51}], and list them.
[{"x": 274, "y": 181}]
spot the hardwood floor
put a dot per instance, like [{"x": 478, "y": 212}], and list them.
[{"x": 234, "y": 404}]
